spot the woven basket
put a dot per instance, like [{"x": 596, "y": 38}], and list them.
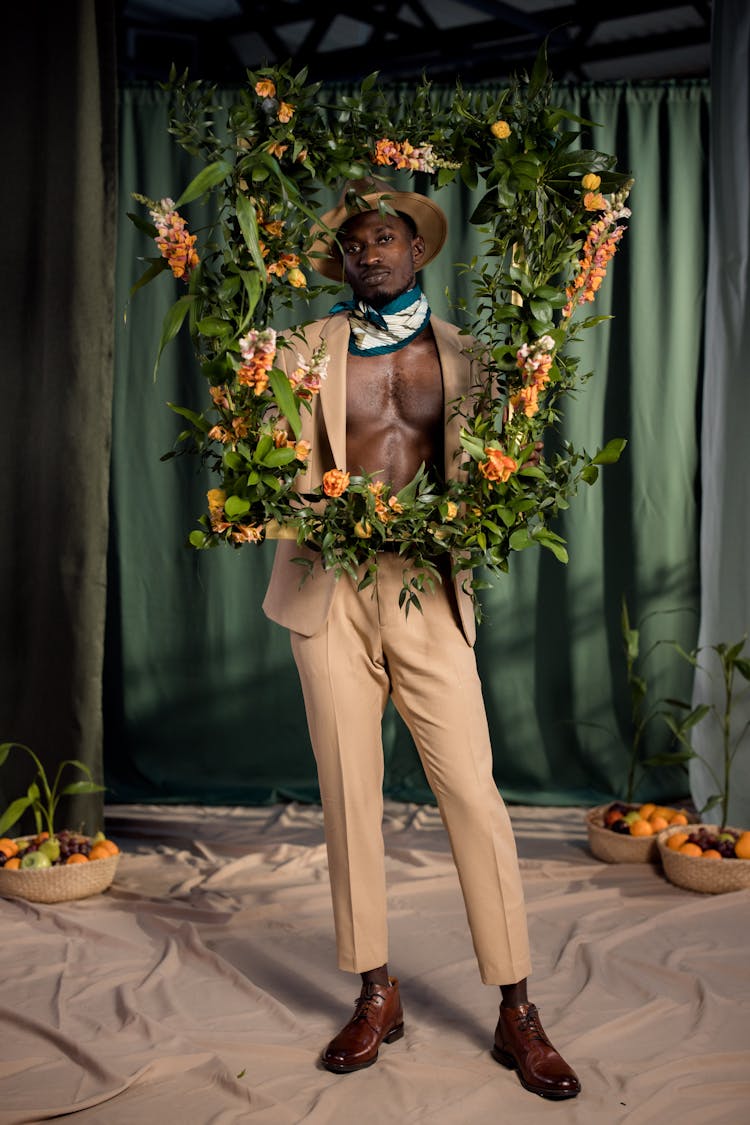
[
  {"x": 61, "y": 883},
  {"x": 613, "y": 848},
  {"x": 709, "y": 876}
]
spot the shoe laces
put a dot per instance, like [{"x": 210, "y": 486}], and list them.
[
  {"x": 529, "y": 1024},
  {"x": 367, "y": 1000}
]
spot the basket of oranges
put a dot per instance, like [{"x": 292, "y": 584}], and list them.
[
  {"x": 56, "y": 868},
  {"x": 625, "y": 833},
  {"x": 707, "y": 858}
]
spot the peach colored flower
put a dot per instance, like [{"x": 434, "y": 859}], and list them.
[
  {"x": 274, "y": 229},
  {"x": 247, "y": 532},
  {"x": 216, "y": 499},
  {"x": 591, "y": 181},
  {"x": 335, "y": 483},
  {"x": 363, "y": 529},
  {"x": 302, "y": 156},
  {"x": 395, "y": 505},
  {"x": 173, "y": 240},
  {"x": 219, "y": 433},
  {"x": 498, "y": 466},
  {"x": 452, "y": 510},
  {"x": 280, "y": 438},
  {"x": 291, "y": 261},
  {"x": 219, "y": 396},
  {"x": 500, "y": 129},
  {"x": 277, "y": 149},
  {"x": 527, "y": 400},
  {"x": 302, "y": 450},
  {"x": 276, "y": 269},
  {"x": 594, "y": 201},
  {"x": 265, "y": 88},
  {"x": 286, "y": 112}
]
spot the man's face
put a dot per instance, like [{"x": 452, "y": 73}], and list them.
[{"x": 380, "y": 256}]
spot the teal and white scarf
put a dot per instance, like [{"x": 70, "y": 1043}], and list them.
[{"x": 379, "y": 331}]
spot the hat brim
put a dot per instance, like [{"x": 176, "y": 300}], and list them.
[{"x": 429, "y": 220}]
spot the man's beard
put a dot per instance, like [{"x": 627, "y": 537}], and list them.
[{"x": 384, "y": 297}]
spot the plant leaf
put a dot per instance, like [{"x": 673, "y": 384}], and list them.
[
  {"x": 74, "y": 787},
  {"x": 285, "y": 397},
  {"x": 207, "y": 178},
  {"x": 172, "y": 324},
  {"x": 14, "y": 812}
]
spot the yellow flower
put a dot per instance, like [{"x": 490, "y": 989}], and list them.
[
  {"x": 452, "y": 510},
  {"x": 265, "y": 88},
  {"x": 363, "y": 530},
  {"x": 285, "y": 113},
  {"x": 591, "y": 181},
  {"x": 297, "y": 278},
  {"x": 501, "y": 130}
]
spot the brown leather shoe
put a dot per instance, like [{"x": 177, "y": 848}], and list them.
[
  {"x": 521, "y": 1044},
  {"x": 378, "y": 1018}
]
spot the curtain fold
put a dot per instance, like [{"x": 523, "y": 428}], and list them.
[
  {"x": 725, "y": 525},
  {"x": 202, "y": 701},
  {"x": 58, "y": 206}
]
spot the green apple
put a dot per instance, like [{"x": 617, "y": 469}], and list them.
[
  {"x": 50, "y": 848},
  {"x": 727, "y": 836},
  {"x": 36, "y": 859},
  {"x": 631, "y": 816}
]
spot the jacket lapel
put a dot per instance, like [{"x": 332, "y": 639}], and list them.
[
  {"x": 456, "y": 369},
  {"x": 333, "y": 387}
]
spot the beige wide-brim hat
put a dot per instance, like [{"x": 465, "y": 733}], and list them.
[{"x": 359, "y": 196}]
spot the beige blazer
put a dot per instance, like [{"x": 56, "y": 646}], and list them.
[{"x": 303, "y": 607}]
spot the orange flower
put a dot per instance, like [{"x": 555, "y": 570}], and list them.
[
  {"x": 527, "y": 399},
  {"x": 302, "y": 157},
  {"x": 265, "y": 88},
  {"x": 335, "y": 483},
  {"x": 363, "y": 529},
  {"x": 297, "y": 279},
  {"x": 275, "y": 228},
  {"x": 219, "y": 396},
  {"x": 285, "y": 113},
  {"x": 247, "y": 532},
  {"x": 395, "y": 505},
  {"x": 594, "y": 201},
  {"x": 501, "y": 130},
  {"x": 291, "y": 261},
  {"x": 276, "y": 269},
  {"x": 173, "y": 240},
  {"x": 219, "y": 433},
  {"x": 452, "y": 510},
  {"x": 280, "y": 438},
  {"x": 277, "y": 149},
  {"x": 302, "y": 450},
  {"x": 591, "y": 181},
  {"x": 216, "y": 499},
  {"x": 498, "y": 466}
]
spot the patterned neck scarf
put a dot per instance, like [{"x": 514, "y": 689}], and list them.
[{"x": 379, "y": 331}]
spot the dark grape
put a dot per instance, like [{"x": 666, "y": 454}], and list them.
[{"x": 621, "y": 826}]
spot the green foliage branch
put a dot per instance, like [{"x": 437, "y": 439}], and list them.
[{"x": 286, "y": 143}]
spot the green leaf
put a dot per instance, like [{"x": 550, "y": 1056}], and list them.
[
  {"x": 248, "y": 221},
  {"x": 207, "y": 178},
  {"x": 675, "y": 758},
  {"x": 590, "y": 474},
  {"x": 80, "y": 787},
  {"x": 520, "y": 540},
  {"x": 286, "y": 399},
  {"x": 539, "y": 71},
  {"x": 213, "y": 326},
  {"x": 743, "y": 667},
  {"x": 198, "y": 421},
  {"x": 472, "y": 445},
  {"x": 252, "y": 281},
  {"x": 279, "y": 457},
  {"x": 236, "y": 506},
  {"x": 143, "y": 224},
  {"x": 198, "y": 539},
  {"x": 172, "y": 324},
  {"x": 153, "y": 271},
  {"x": 611, "y": 452},
  {"x": 13, "y": 813}
]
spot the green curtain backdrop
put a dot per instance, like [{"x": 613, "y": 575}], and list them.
[
  {"x": 58, "y": 204},
  {"x": 202, "y": 702}
]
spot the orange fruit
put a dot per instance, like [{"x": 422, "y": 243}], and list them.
[
  {"x": 662, "y": 810},
  {"x": 658, "y": 823},
  {"x": 76, "y": 857},
  {"x": 8, "y": 847},
  {"x": 641, "y": 828},
  {"x": 99, "y": 851},
  {"x": 646, "y": 810},
  {"x": 111, "y": 846},
  {"x": 678, "y": 818},
  {"x": 711, "y": 853},
  {"x": 13, "y": 863},
  {"x": 676, "y": 840},
  {"x": 741, "y": 848},
  {"x": 689, "y": 849}
]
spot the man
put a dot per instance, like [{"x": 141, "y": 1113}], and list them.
[{"x": 384, "y": 409}]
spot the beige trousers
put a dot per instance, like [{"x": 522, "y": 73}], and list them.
[{"x": 367, "y": 650}]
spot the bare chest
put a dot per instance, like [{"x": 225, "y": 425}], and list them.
[{"x": 403, "y": 387}]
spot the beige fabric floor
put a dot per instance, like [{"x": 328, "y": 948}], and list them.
[{"x": 201, "y": 987}]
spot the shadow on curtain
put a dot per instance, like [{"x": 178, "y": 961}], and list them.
[{"x": 201, "y": 696}]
